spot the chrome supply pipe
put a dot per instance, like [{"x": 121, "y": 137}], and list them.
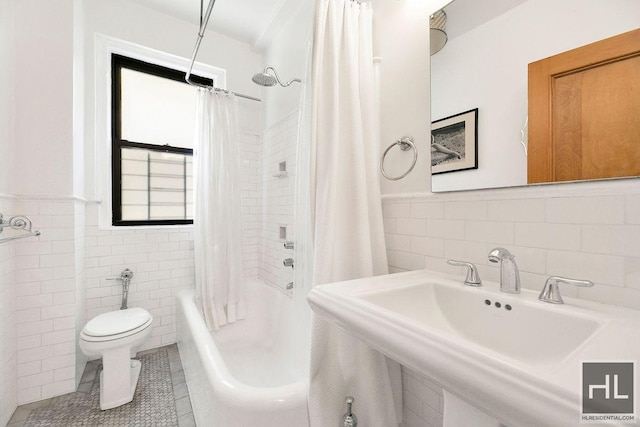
[
  {"x": 349, "y": 419},
  {"x": 125, "y": 278}
]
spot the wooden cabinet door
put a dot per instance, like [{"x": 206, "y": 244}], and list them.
[{"x": 584, "y": 112}]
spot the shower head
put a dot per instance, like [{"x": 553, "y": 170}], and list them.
[
  {"x": 267, "y": 79},
  {"x": 264, "y": 79}
]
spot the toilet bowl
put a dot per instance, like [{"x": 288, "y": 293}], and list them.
[{"x": 116, "y": 336}]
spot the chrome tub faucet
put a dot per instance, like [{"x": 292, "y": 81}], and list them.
[{"x": 509, "y": 274}]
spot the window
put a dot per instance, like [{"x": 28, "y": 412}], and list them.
[{"x": 153, "y": 123}]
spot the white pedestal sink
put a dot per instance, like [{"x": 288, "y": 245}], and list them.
[{"x": 516, "y": 357}]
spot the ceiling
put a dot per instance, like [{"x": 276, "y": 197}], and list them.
[
  {"x": 255, "y": 22},
  {"x": 250, "y": 21},
  {"x": 465, "y": 15}
]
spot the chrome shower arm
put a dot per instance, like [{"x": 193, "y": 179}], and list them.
[{"x": 278, "y": 77}]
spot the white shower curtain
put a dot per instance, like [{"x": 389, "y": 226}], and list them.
[
  {"x": 346, "y": 205},
  {"x": 217, "y": 239}
]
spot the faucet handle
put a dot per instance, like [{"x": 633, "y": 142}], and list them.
[
  {"x": 551, "y": 293},
  {"x": 473, "y": 278}
]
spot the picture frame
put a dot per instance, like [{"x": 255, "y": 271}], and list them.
[{"x": 454, "y": 143}]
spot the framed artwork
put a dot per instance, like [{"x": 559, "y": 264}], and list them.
[{"x": 454, "y": 143}]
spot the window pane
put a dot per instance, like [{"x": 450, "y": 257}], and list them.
[
  {"x": 156, "y": 110},
  {"x": 135, "y": 197},
  {"x": 168, "y": 198},
  {"x": 135, "y": 213},
  {"x": 135, "y": 182},
  {"x": 154, "y": 185},
  {"x": 167, "y": 212}
]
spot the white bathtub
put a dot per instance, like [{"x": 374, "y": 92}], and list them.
[{"x": 248, "y": 374}]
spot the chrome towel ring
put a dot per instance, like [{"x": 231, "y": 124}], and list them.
[{"x": 405, "y": 144}]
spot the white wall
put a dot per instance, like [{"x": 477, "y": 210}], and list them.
[
  {"x": 486, "y": 68},
  {"x": 44, "y": 97},
  {"x": 7, "y": 96},
  {"x": 287, "y": 53},
  {"x": 401, "y": 40},
  {"x": 251, "y": 197},
  {"x": 46, "y": 304},
  {"x": 8, "y": 379},
  {"x": 8, "y": 350}
]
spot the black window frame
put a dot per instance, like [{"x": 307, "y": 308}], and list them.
[{"x": 118, "y": 62}]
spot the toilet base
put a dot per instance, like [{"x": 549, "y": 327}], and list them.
[{"x": 119, "y": 384}]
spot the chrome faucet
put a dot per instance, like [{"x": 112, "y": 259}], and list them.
[{"x": 509, "y": 274}]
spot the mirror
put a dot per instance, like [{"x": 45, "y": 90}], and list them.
[{"x": 484, "y": 66}]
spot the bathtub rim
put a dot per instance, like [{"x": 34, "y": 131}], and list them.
[{"x": 225, "y": 385}]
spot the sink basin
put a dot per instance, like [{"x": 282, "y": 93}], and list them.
[
  {"x": 517, "y": 358},
  {"x": 530, "y": 333}
]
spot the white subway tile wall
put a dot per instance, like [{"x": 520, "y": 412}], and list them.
[
  {"x": 8, "y": 338},
  {"x": 80, "y": 280},
  {"x": 46, "y": 305},
  {"x": 568, "y": 231},
  {"x": 251, "y": 187},
  {"x": 162, "y": 263},
  {"x": 278, "y": 145},
  {"x": 423, "y": 401}
]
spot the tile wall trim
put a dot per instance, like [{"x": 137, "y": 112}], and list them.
[{"x": 620, "y": 186}]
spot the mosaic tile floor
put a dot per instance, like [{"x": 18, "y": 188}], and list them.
[{"x": 161, "y": 399}]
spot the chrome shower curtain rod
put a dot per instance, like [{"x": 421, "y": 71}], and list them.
[{"x": 203, "y": 26}]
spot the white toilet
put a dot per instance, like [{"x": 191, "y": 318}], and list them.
[{"x": 116, "y": 336}]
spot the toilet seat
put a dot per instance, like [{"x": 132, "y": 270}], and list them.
[{"x": 116, "y": 325}]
